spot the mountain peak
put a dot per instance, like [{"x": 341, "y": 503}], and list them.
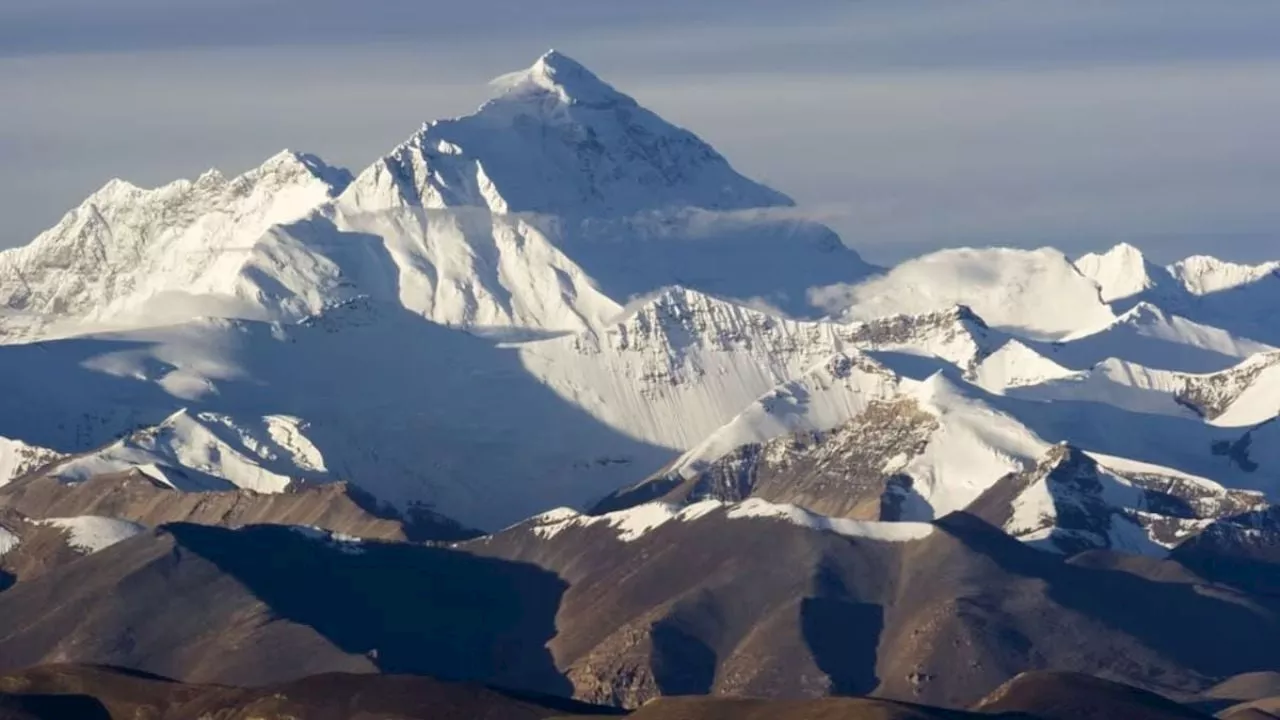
[
  {"x": 557, "y": 140},
  {"x": 290, "y": 164},
  {"x": 561, "y": 76},
  {"x": 1121, "y": 272},
  {"x": 1125, "y": 250},
  {"x": 1143, "y": 313},
  {"x": 1065, "y": 461}
]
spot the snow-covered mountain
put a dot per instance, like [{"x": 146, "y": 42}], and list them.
[
  {"x": 561, "y": 295},
  {"x": 132, "y": 256},
  {"x": 1231, "y": 296},
  {"x": 1070, "y": 501}
]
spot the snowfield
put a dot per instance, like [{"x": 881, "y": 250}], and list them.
[{"x": 90, "y": 534}]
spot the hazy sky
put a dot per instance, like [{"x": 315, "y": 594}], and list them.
[{"x": 905, "y": 124}]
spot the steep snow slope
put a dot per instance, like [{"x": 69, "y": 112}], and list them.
[
  {"x": 129, "y": 255},
  {"x": 1035, "y": 292},
  {"x": 467, "y": 268},
  {"x": 1238, "y": 298},
  {"x": 1244, "y": 458},
  {"x": 681, "y": 364},
  {"x": 928, "y": 447}
]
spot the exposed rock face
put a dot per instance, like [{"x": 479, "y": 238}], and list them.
[
  {"x": 845, "y": 472},
  {"x": 1211, "y": 395}
]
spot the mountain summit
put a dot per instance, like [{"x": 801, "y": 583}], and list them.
[
  {"x": 559, "y": 140},
  {"x": 563, "y": 76}
]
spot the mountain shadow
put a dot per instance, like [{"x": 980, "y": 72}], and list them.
[
  {"x": 1242, "y": 551},
  {"x": 1214, "y": 632},
  {"x": 682, "y": 664},
  {"x": 842, "y": 635},
  {"x": 409, "y": 608},
  {"x": 52, "y": 707},
  {"x": 414, "y": 412}
]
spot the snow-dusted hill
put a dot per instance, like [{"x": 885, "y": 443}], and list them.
[{"x": 561, "y": 295}]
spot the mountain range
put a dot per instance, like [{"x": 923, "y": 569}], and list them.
[{"x": 661, "y": 434}]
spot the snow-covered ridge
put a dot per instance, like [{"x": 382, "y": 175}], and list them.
[
  {"x": 1071, "y": 501},
  {"x": 1148, "y": 335},
  {"x": 1203, "y": 275},
  {"x": 208, "y": 451},
  {"x": 1037, "y": 293},
  {"x": 1244, "y": 394},
  {"x": 90, "y": 533},
  {"x": 129, "y": 251},
  {"x": 1124, "y": 272},
  {"x": 634, "y": 523}
]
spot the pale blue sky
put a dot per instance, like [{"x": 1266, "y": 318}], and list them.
[{"x": 906, "y": 124}]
